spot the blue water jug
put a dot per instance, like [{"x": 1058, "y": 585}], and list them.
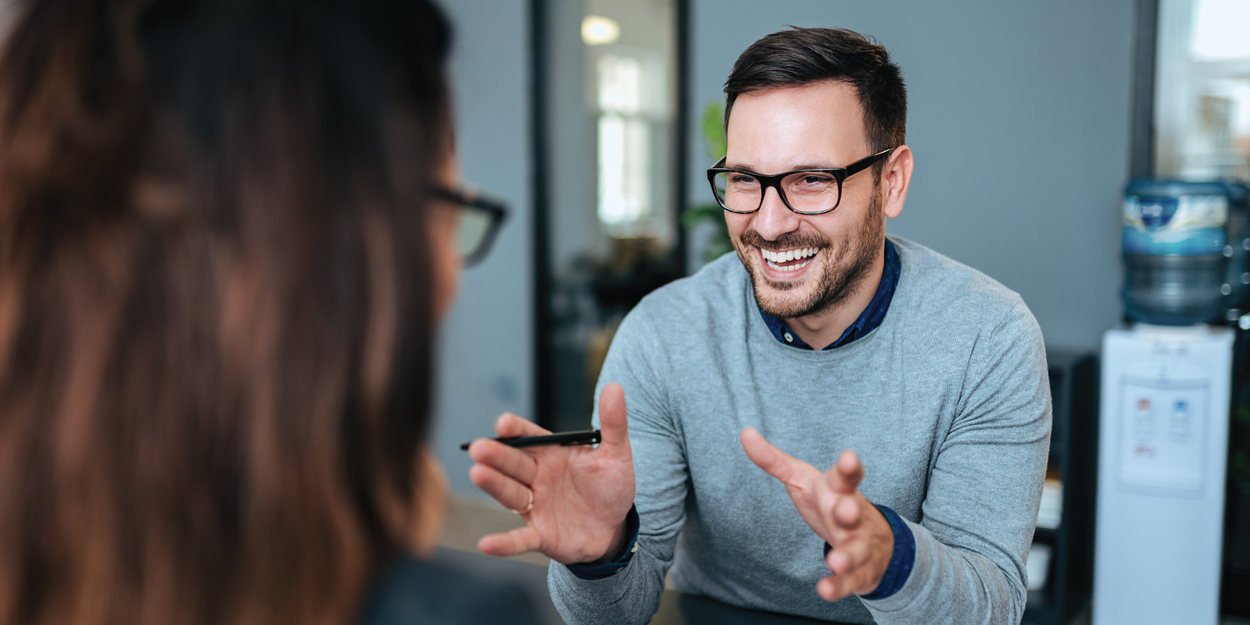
[{"x": 1176, "y": 251}]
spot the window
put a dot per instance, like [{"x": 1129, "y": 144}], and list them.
[{"x": 1202, "y": 91}]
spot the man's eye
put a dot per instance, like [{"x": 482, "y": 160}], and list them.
[
  {"x": 742, "y": 180},
  {"x": 815, "y": 180}
]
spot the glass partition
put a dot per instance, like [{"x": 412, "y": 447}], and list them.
[{"x": 609, "y": 130}]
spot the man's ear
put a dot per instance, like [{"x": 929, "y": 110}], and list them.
[{"x": 895, "y": 180}]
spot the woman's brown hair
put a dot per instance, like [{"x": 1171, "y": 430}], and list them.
[{"x": 215, "y": 304}]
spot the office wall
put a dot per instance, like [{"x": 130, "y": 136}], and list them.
[
  {"x": 485, "y": 365},
  {"x": 1019, "y": 124}
]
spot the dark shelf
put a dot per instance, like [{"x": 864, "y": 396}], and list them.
[
  {"x": 1073, "y": 445},
  {"x": 1045, "y": 532}
]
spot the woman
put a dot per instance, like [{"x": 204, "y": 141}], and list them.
[{"x": 226, "y": 233}]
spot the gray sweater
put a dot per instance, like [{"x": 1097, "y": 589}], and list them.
[{"x": 947, "y": 403}]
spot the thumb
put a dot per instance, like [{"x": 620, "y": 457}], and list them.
[
  {"x": 613, "y": 420},
  {"x": 773, "y": 461},
  {"x": 516, "y": 542}
]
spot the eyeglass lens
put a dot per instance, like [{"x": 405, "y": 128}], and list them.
[
  {"x": 805, "y": 191},
  {"x": 471, "y": 234}
]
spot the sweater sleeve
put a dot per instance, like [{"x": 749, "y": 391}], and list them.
[
  {"x": 984, "y": 488},
  {"x": 632, "y": 595}
]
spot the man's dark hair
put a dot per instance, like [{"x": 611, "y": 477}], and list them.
[{"x": 800, "y": 56}]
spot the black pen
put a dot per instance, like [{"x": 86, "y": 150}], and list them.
[{"x": 588, "y": 437}]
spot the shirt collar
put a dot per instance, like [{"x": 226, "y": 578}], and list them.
[{"x": 868, "y": 320}]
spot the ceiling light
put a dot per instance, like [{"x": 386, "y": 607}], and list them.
[{"x": 598, "y": 31}]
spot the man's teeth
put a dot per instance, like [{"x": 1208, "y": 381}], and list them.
[{"x": 788, "y": 255}]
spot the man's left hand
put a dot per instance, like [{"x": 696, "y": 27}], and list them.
[{"x": 833, "y": 507}]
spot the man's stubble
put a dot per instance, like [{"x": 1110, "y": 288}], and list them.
[{"x": 840, "y": 279}]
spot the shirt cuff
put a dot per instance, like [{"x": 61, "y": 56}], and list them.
[
  {"x": 901, "y": 561},
  {"x": 608, "y": 569}
]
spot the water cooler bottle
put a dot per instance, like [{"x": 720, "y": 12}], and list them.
[{"x": 1163, "y": 436}]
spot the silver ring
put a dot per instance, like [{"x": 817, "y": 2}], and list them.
[{"x": 528, "y": 507}]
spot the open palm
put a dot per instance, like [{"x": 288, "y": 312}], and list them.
[
  {"x": 831, "y": 504},
  {"x": 580, "y": 495}
]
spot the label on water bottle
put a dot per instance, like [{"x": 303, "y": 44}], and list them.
[{"x": 1186, "y": 225}]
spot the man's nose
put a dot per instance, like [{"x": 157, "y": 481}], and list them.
[{"x": 774, "y": 217}]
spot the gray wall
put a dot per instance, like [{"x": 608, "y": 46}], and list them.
[
  {"x": 486, "y": 363},
  {"x": 1019, "y": 124}
]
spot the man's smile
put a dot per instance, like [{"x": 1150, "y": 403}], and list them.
[{"x": 789, "y": 260}]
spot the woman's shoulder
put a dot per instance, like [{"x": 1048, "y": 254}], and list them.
[{"x": 411, "y": 591}]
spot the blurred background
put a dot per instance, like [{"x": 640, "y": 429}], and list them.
[{"x": 1027, "y": 120}]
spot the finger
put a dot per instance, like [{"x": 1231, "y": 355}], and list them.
[
  {"x": 509, "y": 425},
  {"x": 848, "y": 512},
  {"x": 850, "y": 469},
  {"x": 508, "y": 492},
  {"x": 833, "y": 588},
  {"x": 775, "y": 462},
  {"x": 845, "y": 474},
  {"x": 838, "y": 562},
  {"x": 518, "y": 541},
  {"x": 613, "y": 419},
  {"x": 848, "y": 557},
  {"x": 510, "y": 461}
]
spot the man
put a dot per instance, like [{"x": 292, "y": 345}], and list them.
[{"x": 823, "y": 335}]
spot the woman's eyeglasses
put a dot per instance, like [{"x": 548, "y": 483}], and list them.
[{"x": 480, "y": 221}]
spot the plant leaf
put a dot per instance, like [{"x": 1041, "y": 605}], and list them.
[{"x": 714, "y": 130}]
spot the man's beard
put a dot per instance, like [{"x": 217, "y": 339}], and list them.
[{"x": 840, "y": 279}]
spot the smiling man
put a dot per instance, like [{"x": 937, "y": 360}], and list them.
[
  {"x": 919, "y": 382},
  {"x": 810, "y": 263}
]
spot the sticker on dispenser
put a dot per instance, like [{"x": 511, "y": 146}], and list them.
[{"x": 1162, "y": 454}]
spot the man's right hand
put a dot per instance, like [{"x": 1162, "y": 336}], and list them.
[{"x": 580, "y": 495}]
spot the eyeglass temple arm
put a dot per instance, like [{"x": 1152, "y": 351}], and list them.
[{"x": 866, "y": 162}]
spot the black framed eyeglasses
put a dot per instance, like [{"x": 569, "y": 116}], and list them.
[
  {"x": 804, "y": 191},
  {"x": 480, "y": 221}
]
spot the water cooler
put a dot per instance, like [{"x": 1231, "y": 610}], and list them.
[
  {"x": 1164, "y": 419},
  {"x": 1162, "y": 456}
]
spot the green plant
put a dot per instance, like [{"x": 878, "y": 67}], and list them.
[
  {"x": 714, "y": 136},
  {"x": 712, "y": 124}
]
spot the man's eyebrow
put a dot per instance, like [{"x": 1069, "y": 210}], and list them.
[{"x": 800, "y": 167}]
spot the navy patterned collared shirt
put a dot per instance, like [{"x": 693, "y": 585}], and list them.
[{"x": 868, "y": 320}]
